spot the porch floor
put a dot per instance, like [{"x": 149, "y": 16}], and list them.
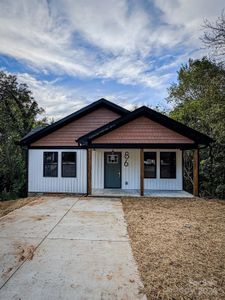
[{"x": 136, "y": 193}]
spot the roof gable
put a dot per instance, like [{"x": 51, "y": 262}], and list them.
[
  {"x": 142, "y": 130},
  {"x": 101, "y": 103},
  {"x": 173, "y": 125},
  {"x": 69, "y": 133}
]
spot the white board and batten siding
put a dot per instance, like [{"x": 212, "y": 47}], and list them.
[
  {"x": 38, "y": 183},
  {"x": 131, "y": 173},
  {"x": 166, "y": 184}
]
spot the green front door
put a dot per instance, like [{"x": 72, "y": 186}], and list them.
[{"x": 112, "y": 168}]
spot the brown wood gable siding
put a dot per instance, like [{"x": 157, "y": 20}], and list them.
[
  {"x": 142, "y": 130},
  {"x": 67, "y": 135}
]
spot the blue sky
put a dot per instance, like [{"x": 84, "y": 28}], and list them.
[{"x": 72, "y": 52}]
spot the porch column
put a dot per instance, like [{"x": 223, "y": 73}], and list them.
[
  {"x": 89, "y": 171},
  {"x": 141, "y": 172},
  {"x": 196, "y": 173}
]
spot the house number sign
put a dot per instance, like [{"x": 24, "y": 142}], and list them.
[{"x": 126, "y": 156}]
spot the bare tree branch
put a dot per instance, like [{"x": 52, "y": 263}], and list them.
[{"x": 214, "y": 36}]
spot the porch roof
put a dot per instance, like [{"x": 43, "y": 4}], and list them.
[{"x": 191, "y": 138}]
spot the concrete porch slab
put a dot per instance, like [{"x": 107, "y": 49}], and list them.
[
  {"x": 115, "y": 193},
  {"x": 136, "y": 193}
]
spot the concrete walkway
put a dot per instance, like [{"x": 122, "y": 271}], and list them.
[{"x": 67, "y": 248}]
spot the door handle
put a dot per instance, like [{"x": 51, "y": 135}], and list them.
[{"x": 119, "y": 173}]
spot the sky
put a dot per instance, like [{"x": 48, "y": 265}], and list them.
[{"x": 73, "y": 52}]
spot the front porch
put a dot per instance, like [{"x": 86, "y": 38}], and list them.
[
  {"x": 136, "y": 193},
  {"x": 134, "y": 174}
]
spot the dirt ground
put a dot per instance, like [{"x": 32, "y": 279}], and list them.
[
  {"x": 179, "y": 246},
  {"x": 10, "y": 205}
]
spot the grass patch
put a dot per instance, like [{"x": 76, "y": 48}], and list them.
[
  {"x": 10, "y": 205},
  {"x": 179, "y": 246}
]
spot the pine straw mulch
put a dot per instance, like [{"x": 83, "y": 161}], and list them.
[
  {"x": 10, "y": 205},
  {"x": 179, "y": 246}
]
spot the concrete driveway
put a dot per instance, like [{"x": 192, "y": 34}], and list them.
[{"x": 67, "y": 248}]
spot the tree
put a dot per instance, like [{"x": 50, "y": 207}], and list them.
[
  {"x": 199, "y": 102},
  {"x": 214, "y": 36},
  {"x": 18, "y": 111}
]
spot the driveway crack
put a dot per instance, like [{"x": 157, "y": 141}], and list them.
[{"x": 39, "y": 244}]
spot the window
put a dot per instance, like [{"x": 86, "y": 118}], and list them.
[
  {"x": 50, "y": 164},
  {"x": 149, "y": 164},
  {"x": 168, "y": 165},
  {"x": 69, "y": 164},
  {"x": 112, "y": 159}
]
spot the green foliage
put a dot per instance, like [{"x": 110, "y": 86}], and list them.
[
  {"x": 199, "y": 102},
  {"x": 18, "y": 111}
]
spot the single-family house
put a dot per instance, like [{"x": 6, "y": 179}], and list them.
[{"x": 104, "y": 147}]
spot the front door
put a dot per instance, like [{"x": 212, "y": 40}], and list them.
[{"x": 112, "y": 168}]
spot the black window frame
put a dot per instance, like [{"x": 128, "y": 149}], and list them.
[
  {"x": 64, "y": 164},
  {"x": 155, "y": 173},
  {"x": 174, "y": 166},
  {"x": 52, "y": 163}
]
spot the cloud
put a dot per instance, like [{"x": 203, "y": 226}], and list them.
[
  {"x": 114, "y": 26},
  {"x": 187, "y": 17},
  {"x": 56, "y": 100},
  {"x": 136, "y": 43},
  {"x": 34, "y": 33},
  {"x": 59, "y": 100}
]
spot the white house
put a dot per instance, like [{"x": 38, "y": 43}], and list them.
[{"x": 104, "y": 147}]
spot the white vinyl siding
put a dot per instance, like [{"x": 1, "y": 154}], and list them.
[{"x": 38, "y": 183}]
